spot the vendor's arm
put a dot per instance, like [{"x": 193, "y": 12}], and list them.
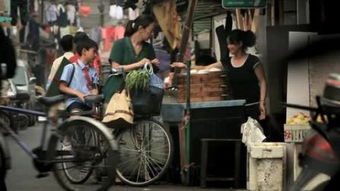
[
  {"x": 169, "y": 79},
  {"x": 178, "y": 65},
  {"x": 168, "y": 82},
  {"x": 155, "y": 62},
  {"x": 213, "y": 65},
  {"x": 259, "y": 71},
  {"x": 132, "y": 66}
]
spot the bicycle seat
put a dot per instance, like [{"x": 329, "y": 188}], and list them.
[
  {"x": 20, "y": 97},
  {"x": 94, "y": 99},
  {"x": 49, "y": 101}
]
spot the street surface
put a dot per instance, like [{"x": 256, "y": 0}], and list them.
[{"x": 22, "y": 176}]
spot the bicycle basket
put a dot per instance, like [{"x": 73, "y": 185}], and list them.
[{"x": 147, "y": 102}]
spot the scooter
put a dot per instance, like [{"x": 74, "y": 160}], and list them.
[{"x": 321, "y": 151}]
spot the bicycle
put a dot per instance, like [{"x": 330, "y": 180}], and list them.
[
  {"x": 76, "y": 148},
  {"x": 145, "y": 147},
  {"x": 146, "y": 143}
]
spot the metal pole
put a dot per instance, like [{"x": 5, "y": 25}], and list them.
[
  {"x": 101, "y": 8},
  {"x": 41, "y": 11}
]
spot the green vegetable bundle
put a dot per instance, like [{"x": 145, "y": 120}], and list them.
[{"x": 137, "y": 79}]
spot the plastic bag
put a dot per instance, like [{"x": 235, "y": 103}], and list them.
[{"x": 252, "y": 132}]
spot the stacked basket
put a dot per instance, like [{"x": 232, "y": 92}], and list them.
[{"x": 204, "y": 86}]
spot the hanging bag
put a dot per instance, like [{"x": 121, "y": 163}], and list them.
[
  {"x": 252, "y": 132},
  {"x": 119, "y": 110}
]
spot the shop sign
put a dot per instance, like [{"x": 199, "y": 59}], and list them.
[
  {"x": 5, "y": 19},
  {"x": 243, "y": 3}
]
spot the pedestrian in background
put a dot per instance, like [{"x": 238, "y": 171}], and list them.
[
  {"x": 68, "y": 46},
  {"x": 7, "y": 70}
]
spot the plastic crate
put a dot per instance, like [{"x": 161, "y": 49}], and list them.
[{"x": 296, "y": 133}]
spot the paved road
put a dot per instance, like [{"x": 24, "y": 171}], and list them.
[{"x": 22, "y": 176}]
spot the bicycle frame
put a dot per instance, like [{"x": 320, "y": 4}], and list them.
[
  {"x": 25, "y": 146},
  {"x": 101, "y": 152},
  {"x": 16, "y": 138}
]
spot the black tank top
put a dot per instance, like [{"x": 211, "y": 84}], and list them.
[{"x": 242, "y": 80}]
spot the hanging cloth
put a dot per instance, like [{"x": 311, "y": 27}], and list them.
[
  {"x": 71, "y": 14},
  {"x": 51, "y": 13},
  {"x": 112, "y": 11},
  {"x": 120, "y": 13},
  {"x": 2, "y": 6},
  {"x": 167, "y": 18},
  {"x": 133, "y": 14},
  {"x": 116, "y": 12},
  {"x": 85, "y": 10},
  {"x": 33, "y": 35},
  {"x": 96, "y": 34},
  {"x": 22, "y": 5},
  {"x": 62, "y": 16}
]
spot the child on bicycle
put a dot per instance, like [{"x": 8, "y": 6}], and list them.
[{"x": 79, "y": 79}]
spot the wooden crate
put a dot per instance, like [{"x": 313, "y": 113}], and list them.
[
  {"x": 213, "y": 77},
  {"x": 194, "y": 79},
  {"x": 203, "y": 87}
]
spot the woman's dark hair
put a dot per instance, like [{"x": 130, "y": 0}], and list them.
[
  {"x": 87, "y": 44},
  {"x": 79, "y": 36},
  {"x": 133, "y": 25},
  {"x": 66, "y": 43},
  {"x": 246, "y": 38}
]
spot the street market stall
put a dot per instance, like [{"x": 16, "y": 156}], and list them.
[{"x": 212, "y": 120}]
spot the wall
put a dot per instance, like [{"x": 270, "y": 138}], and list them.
[
  {"x": 298, "y": 84},
  {"x": 276, "y": 65},
  {"x": 307, "y": 76},
  {"x": 320, "y": 67}
]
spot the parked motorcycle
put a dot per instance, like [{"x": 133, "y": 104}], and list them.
[{"x": 321, "y": 151}]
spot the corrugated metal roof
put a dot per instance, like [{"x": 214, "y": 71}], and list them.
[{"x": 204, "y": 11}]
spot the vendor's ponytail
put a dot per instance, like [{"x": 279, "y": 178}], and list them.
[
  {"x": 246, "y": 38},
  {"x": 133, "y": 25},
  {"x": 249, "y": 38},
  {"x": 129, "y": 30}
]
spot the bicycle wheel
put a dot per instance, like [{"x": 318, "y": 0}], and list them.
[
  {"x": 3, "y": 170},
  {"x": 79, "y": 137},
  {"x": 80, "y": 147},
  {"x": 5, "y": 117},
  {"x": 145, "y": 153}
]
